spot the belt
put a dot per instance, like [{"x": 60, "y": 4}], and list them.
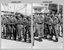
[
  {"x": 50, "y": 25},
  {"x": 39, "y": 23}
]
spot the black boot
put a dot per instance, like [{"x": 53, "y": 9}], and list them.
[
  {"x": 40, "y": 39},
  {"x": 24, "y": 40},
  {"x": 29, "y": 41},
  {"x": 51, "y": 38},
  {"x": 45, "y": 37},
  {"x": 56, "y": 40},
  {"x": 19, "y": 39}
]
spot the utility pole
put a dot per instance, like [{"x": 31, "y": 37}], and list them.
[{"x": 32, "y": 33}]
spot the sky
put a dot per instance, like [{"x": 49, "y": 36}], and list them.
[{"x": 16, "y": 8}]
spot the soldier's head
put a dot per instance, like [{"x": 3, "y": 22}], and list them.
[
  {"x": 59, "y": 15},
  {"x": 11, "y": 16},
  {"x": 52, "y": 16},
  {"x": 38, "y": 15},
  {"x": 56, "y": 15},
  {"x": 47, "y": 14},
  {"x": 55, "y": 18},
  {"x": 53, "y": 13},
  {"x": 24, "y": 18}
]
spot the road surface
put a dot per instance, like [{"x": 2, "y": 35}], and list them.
[{"x": 45, "y": 44}]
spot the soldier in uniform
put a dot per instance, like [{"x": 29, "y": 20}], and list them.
[
  {"x": 7, "y": 28},
  {"x": 25, "y": 21},
  {"x": 60, "y": 24},
  {"x": 46, "y": 26},
  {"x": 20, "y": 28},
  {"x": 14, "y": 27},
  {"x": 34, "y": 26},
  {"x": 56, "y": 28},
  {"x": 28, "y": 29},
  {"x": 51, "y": 27},
  {"x": 4, "y": 21},
  {"x": 39, "y": 26}
]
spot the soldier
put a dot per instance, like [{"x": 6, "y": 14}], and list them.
[
  {"x": 60, "y": 24},
  {"x": 10, "y": 24},
  {"x": 4, "y": 20},
  {"x": 20, "y": 28},
  {"x": 51, "y": 27},
  {"x": 25, "y": 29},
  {"x": 5, "y": 26},
  {"x": 28, "y": 29},
  {"x": 56, "y": 28},
  {"x": 46, "y": 26},
  {"x": 39, "y": 26},
  {"x": 34, "y": 26},
  {"x": 14, "y": 28}
]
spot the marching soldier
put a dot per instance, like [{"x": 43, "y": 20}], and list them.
[
  {"x": 24, "y": 30},
  {"x": 3, "y": 20},
  {"x": 14, "y": 27},
  {"x": 39, "y": 26},
  {"x": 50, "y": 27},
  {"x": 56, "y": 28},
  {"x": 46, "y": 26},
  {"x": 28, "y": 29},
  {"x": 60, "y": 24},
  {"x": 20, "y": 28}
]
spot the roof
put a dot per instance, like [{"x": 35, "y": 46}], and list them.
[{"x": 38, "y": 7}]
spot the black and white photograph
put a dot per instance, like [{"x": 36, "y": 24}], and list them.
[
  {"x": 15, "y": 26},
  {"x": 47, "y": 26},
  {"x": 32, "y": 25}
]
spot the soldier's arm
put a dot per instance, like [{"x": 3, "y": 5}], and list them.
[
  {"x": 34, "y": 21},
  {"x": 42, "y": 20}
]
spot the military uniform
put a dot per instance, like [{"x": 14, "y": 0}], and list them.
[
  {"x": 39, "y": 26},
  {"x": 50, "y": 27},
  {"x": 60, "y": 26},
  {"x": 56, "y": 28},
  {"x": 25, "y": 28},
  {"x": 4, "y": 21},
  {"x": 8, "y": 27},
  {"x": 14, "y": 27},
  {"x": 20, "y": 29},
  {"x": 28, "y": 29},
  {"x": 46, "y": 26}
]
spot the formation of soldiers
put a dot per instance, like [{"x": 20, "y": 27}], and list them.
[
  {"x": 48, "y": 25},
  {"x": 16, "y": 27}
]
